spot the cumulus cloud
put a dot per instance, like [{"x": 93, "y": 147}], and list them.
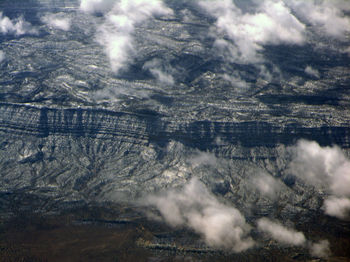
[
  {"x": 320, "y": 249},
  {"x": 327, "y": 15},
  {"x": 203, "y": 158},
  {"x": 246, "y": 33},
  {"x": 267, "y": 185},
  {"x": 195, "y": 207},
  {"x": 235, "y": 80},
  {"x": 312, "y": 72},
  {"x": 55, "y": 21},
  {"x": 280, "y": 233},
  {"x": 291, "y": 237},
  {"x": 337, "y": 207},
  {"x": 96, "y": 6},
  {"x": 2, "y": 56},
  {"x": 161, "y": 72},
  {"x": 116, "y": 33},
  {"x": 15, "y": 27},
  {"x": 119, "y": 49},
  {"x": 326, "y": 168},
  {"x": 241, "y": 33}
]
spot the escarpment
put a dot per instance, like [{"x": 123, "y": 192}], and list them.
[{"x": 145, "y": 128}]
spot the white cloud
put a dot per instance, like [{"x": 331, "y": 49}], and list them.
[
  {"x": 196, "y": 208},
  {"x": 265, "y": 74},
  {"x": 236, "y": 80},
  {"x": 15, "y": 27},
  {"x": 267, "y": 185},
  {"x": 337, "y": 207},
  {"x": 320, "y": 249},
  {"x": 162, "y": 77},
  {"x": 95, "y": 6},
  {"x": 2, "y": 56},
  {"x": 119, "y": 49},
  {"x": 240, "y": 35},
  {"x": 55, "y": 21},
  {"x": 280, "y": 233},
  {"x": 272, "y": 23},
  {"x": 116, "y": 34},
  {"x": 276, "y": 24},
  {"x": 160, "y": 72},
  {"x": 326, "y": 168},
  {"x": 326, "y": 15},
  {"x": 312, "y": 72},
  {"x": 203, "y": 158}
]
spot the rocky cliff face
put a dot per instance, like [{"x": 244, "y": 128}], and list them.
[{"x": 148, "y": 127}]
